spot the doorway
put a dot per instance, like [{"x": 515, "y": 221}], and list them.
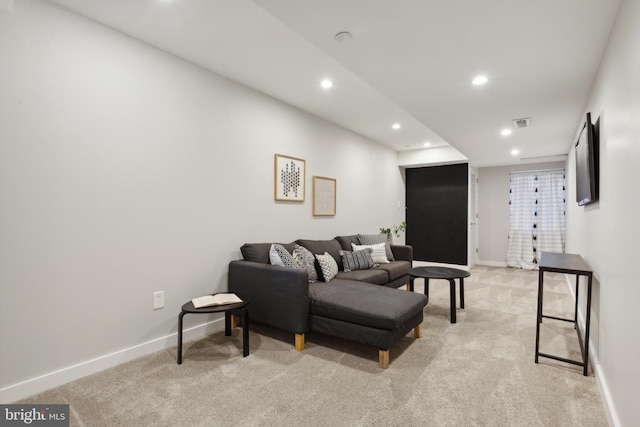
[{"x": 437, "y": 213}]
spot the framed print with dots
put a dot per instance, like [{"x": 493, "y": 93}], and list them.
[
  {"x": 324, "y": 196},
  {"x": 289, "y": 178}
]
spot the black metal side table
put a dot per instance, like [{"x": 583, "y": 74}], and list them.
[
  {"x": 228, "y": 310},
  {"x": 568, "y": 264},
  {"x": 446, "y": 273}
]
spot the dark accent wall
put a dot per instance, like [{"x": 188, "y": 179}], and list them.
[{"x": 437, "y": 207}]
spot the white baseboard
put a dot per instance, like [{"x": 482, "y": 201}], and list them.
[
  {"x": 438, "y": 264},
  {"x": 62, "y": 376},
  {"x": 603, "y": 388},
  {"x": 492, "y": 263},
  {"x": 463, "y": 267},
  {"x": 605, "y": 395}
]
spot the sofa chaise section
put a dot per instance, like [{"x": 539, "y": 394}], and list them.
[{"x": 364, "y": 306}]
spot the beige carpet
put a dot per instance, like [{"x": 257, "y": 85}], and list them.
[{"x": 478, "y": 372}]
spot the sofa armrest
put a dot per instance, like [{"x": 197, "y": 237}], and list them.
[
  {"x": 277, "y": 296},
  {"x": 402, "y": 252}
]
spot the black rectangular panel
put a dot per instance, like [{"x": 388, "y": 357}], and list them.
[{"x": 437, "y": 208}]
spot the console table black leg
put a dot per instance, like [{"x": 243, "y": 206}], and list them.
[
  {"x": 411, "y": 284},
  {"x": 245, "y": 332},
  {"x": 585, "y": 359},
  {"x": 575, "y": 315},
  {"x": 227, "y": 323},
  {"x": 539, "y": 319},
  {"x": 180, "y": 337},
  {"x": 461, "y": 292},
  {"x": 452, "y": 291},
  {"x": 426, "y": 287}
]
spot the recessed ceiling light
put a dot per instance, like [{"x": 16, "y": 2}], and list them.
[
  {"x": 505, "y": 132},
  {"x": 480, "y": 80},
  {"x": 326, "y": 84},
  {"x": 515, "y": 152},
  {"x": 396, "y": 126},
  {"x": 427, "y": 144}
]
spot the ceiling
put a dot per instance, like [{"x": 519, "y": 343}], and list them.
[{"x": 409, "y": 61}]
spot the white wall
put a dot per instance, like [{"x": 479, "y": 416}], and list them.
[
  {"x": 607, "y": 233},
  {"x": 123, "y": 171},
  {"x": 431, "y": 157},
  {"x": 493, "y": 209}
]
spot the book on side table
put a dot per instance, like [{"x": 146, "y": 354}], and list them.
[{"x": 217, "y": 299}]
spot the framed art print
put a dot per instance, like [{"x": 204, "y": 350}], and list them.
[
  {"x": 324, "y": 196},
  {"x": 289, "y": 178}
]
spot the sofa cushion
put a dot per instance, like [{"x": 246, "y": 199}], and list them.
[
  {"x": 365, "y": 304},
  {"x": 259, "y": 252},
  {"x": 357, "y": 260},
  {"x": 319, "y": 247},
  {"x": 375, "y": 276},
  {"x": 328, "y": 266},
  {"x": 346, "y": 241},
  {"x": 306, "y": 260},
  {"x": 372, "y": 239},
  {"x": 395, "y": 269}
]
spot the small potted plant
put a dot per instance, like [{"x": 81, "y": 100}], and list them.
[{"x": 397, "y": 229}]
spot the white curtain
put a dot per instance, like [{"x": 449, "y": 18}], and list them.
[{"x": 537, "y": 206}]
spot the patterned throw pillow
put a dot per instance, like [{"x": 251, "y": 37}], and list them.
[
  {"x": 280, "y": 256},
  {"x": 328, "y": 266},
  {"x": 305, "y": 259},
  {"x": 357, "y": 260},
  {"x": 372, "y": 239},
  {"x": 378, "y": 254}
]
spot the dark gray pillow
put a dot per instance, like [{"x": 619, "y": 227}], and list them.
[
  {"x": 357, "y": 260},
  {"x": 319, "y": 247},
  {"x": 259, "y": 252},
  {"x": 346, "y": 241}
]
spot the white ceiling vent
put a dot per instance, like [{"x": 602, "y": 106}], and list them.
[{"x": 521, "y": 123}]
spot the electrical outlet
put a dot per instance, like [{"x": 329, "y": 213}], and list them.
[{"x": 158, "y": 299}]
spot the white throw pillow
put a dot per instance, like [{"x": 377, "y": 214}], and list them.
[
  {"x": 274, "y": 257},
  {"x": 378, "y": 253}
]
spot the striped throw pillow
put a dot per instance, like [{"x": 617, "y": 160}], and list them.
[{"x": 357, "y": 260}]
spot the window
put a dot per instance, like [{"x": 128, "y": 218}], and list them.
[{"x": 537, "y": 213}]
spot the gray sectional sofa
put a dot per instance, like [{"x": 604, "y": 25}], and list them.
[{"x": 362, "y": 305}]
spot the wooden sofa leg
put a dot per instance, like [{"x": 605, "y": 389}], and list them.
[
  {"x": 234, "y": 321},
  {"x": 383, "y": 358},
  {"x": 299, "y": 342},
  {"x": 417, "y": 331}
]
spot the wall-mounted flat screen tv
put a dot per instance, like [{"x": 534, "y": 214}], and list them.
[{"x": 587, "y": 164}]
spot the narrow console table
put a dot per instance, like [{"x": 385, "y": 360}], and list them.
[{"x": 567, "y": 264}]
